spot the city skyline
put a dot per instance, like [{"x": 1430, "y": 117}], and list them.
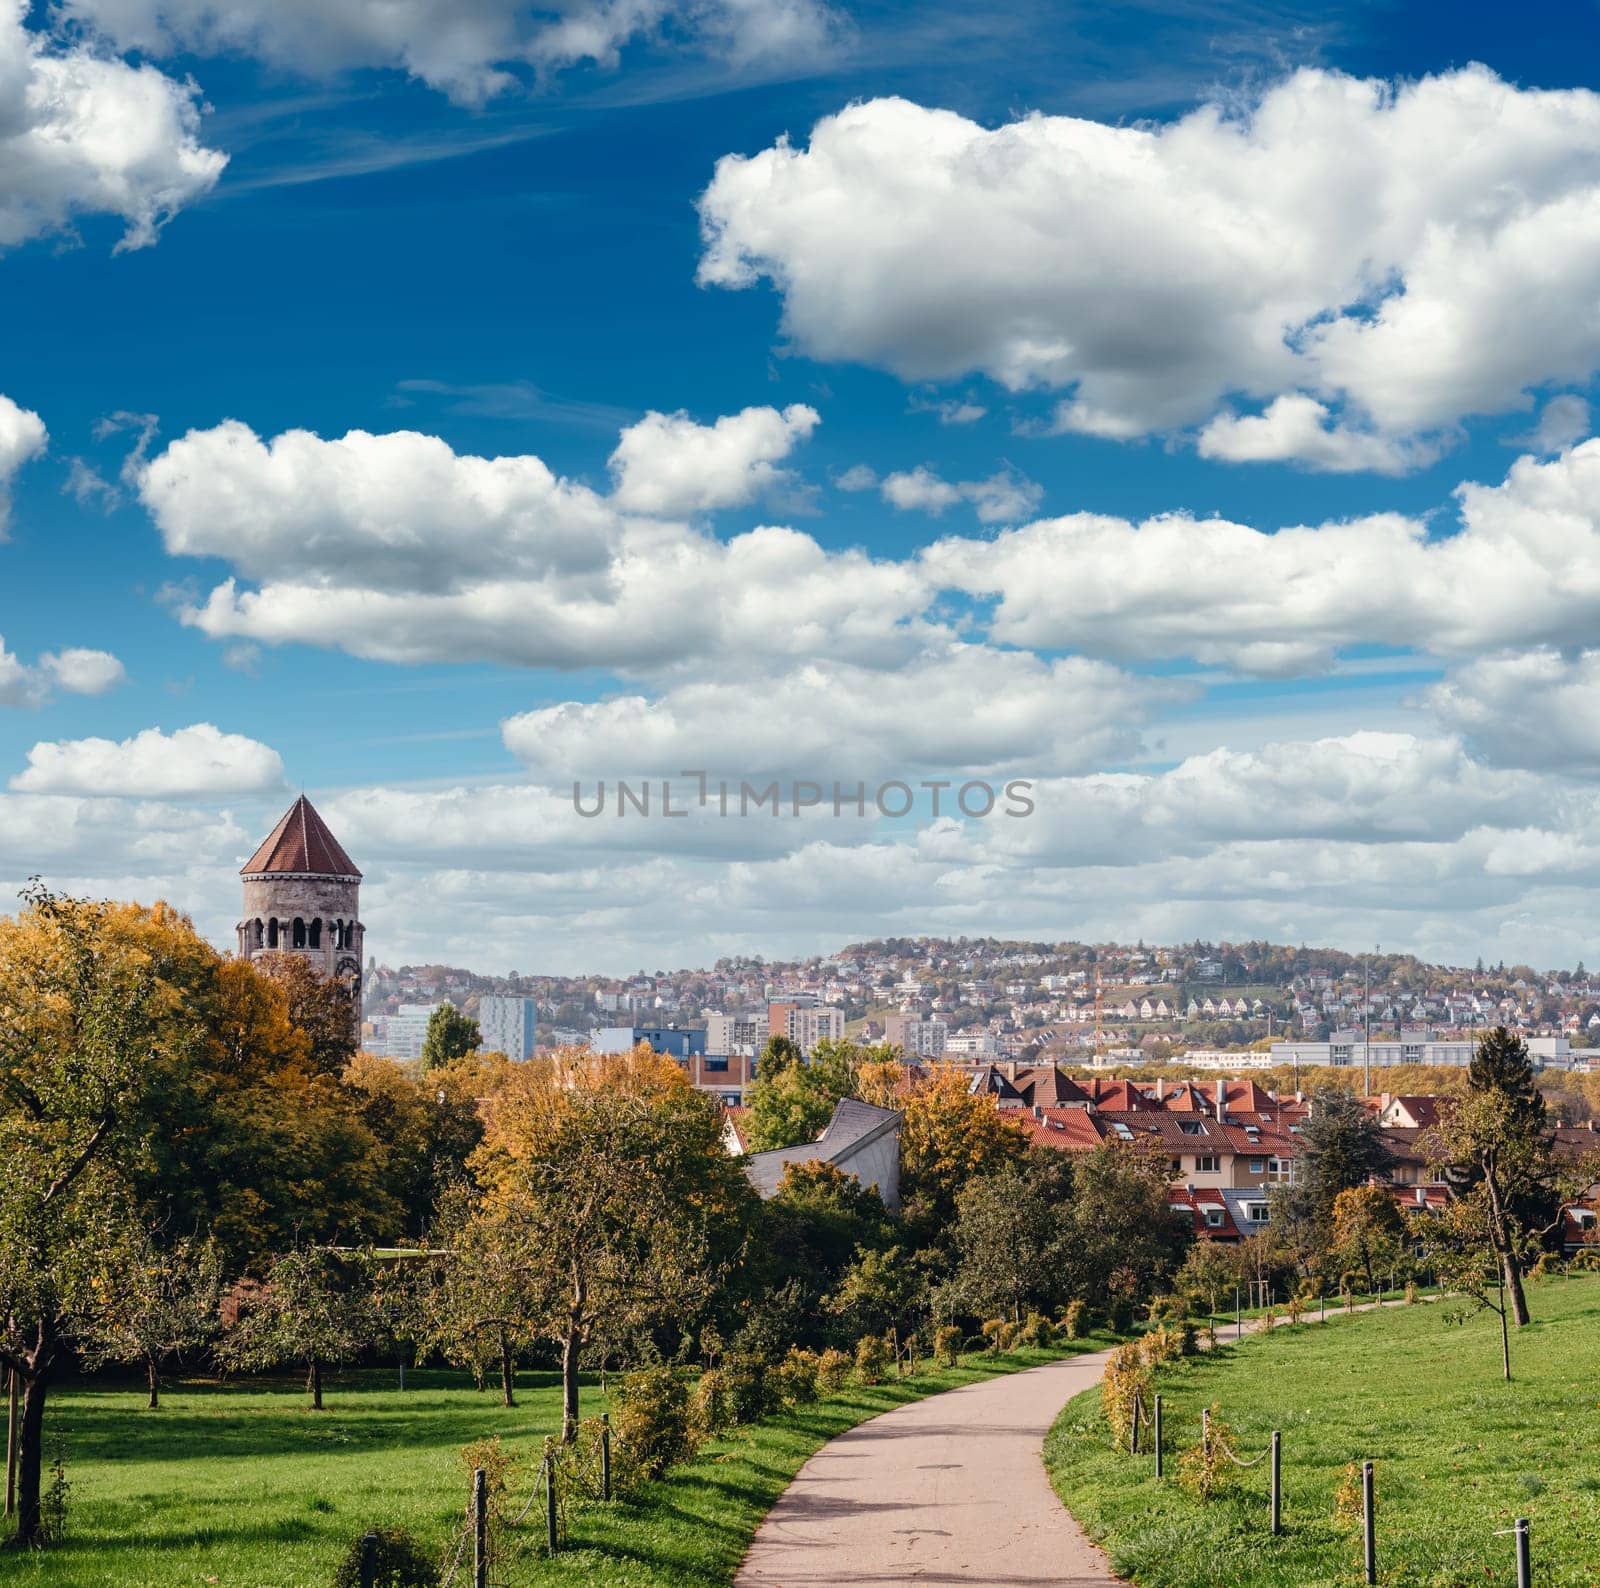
[{"x": 1187, "y": 413}]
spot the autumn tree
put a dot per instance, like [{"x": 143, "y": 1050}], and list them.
[
  {"x": 881, "y": 1292},
  {"x": 153, "y": 1300},
  {"x": 83, "y": 1007},
  {"x": 950, "y": 1135},
  {"x": 319, "y": 1007},
  {"x": 609, "y": 1170},
  {"x": 451, "y": 1035},
  {"x": 313, "y": 1309},
  {"x": 1368, "y": 1230}
]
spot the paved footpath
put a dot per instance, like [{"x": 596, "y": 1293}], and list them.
[{"x": 950, "y": 1489}]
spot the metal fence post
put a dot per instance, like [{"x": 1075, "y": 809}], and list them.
[
  {"x": 1158, "y": 1436},
  {"x": 369, "y": 1560},
  {"x": 1369, "y": 1529},
  {"x": 605, "y": 1455},
  {"x": 1524, "y": 1554},
  {"x": 480, "y": 1528},
  {"x": 1277, "y": 1483},
  {"x": 550, "y": 1502}
]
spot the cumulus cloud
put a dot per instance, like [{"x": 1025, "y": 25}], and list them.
[
  {"x": 1296, "y": 428},
  {"x": 470, "y": 49},
  {"x": 1523, "y": 569},
  {"x": 398, "y": 548},
  {"x": 1538, "y": 709},
  {"x": 1563, "y": 421},
  {"x": 187, "y": 763},
  {"x": 82, "y": 133},
  {"x": 74, "y": 671},
  {"x": 22, "y": 438},
  {"x": 399, "y": 511},
  {"x": 1413, "y": 253},
  {"x": 669, "y": 466},
  {"x": 1003, "y": 498},
  {"x": 828, "y": 719}
]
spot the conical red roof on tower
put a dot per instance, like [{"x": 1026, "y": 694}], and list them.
[{"x": 300, "y": 844}]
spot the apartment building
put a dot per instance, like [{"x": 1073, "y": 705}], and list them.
[
  {"x": 915, "y": 1037},
  {"x": 508, "y": 1025}
]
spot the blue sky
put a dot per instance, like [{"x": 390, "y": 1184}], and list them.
[{"x": 517, "y": 250}]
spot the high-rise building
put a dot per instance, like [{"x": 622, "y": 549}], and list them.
[
  {"x": 804, "y": 1025},
  {"x": 917, "y": 1039},
  {"x": 508, "y": 1025}
]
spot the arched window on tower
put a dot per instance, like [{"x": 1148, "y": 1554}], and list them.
[
  {"x": 272, "y": 933},
  {"x": 316, "y": 932},
  {"x": 260, "y": 937},
  {"x": 299, "y": 933}
]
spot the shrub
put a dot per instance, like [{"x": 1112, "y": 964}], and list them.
[
  {"x": 872, "y": 1358},
  {"x": 795, "y": 1377},
  {"x": 1075, "y": 1319},
  {"x": 1188, "y": 1338},
  {"x": 496, "y": 1462},
  {"x": 1295, "y": 1307},
  {"x": 709, "y": 1409},
  {"x": 1204, "y": 1468},
  {"x": 400, "y": 1558},
  {"x": 1168, "y": 1309},
  {"x": 1585, "y": 1262},
  {"x": 1160, "y": 1345},
  {"x": 1126, "y": 1379},
  {"x": 833, "y": 1371},
  {"x": 748, "y": 1392},
  {"x": 1411, "y": 1292},
  {"x": 650, "y": 1424},
  {"x": 995, "y": 1331},
  {"x": 1119, "y": 1315},
  {"x": 1347, "y": 1498},
  {"x": 1038, "y": 1331}
]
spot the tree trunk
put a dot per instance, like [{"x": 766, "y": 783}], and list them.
[
  {"x": 314, "y": 1384},
  {"x": 508, "y": 1373},
  {"x": 30, "y": 1461},
  {"x": 1503, "y": 1240},
  {"x": 153, "y": 1380},
  {"x": 570, "y": 1349}
]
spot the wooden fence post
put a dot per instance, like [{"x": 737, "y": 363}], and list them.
[
  {"x": 480, "y": 1528},
  {"x": 550, "y": 1501},
  {"x": 1277, "y": 1483},
  {"x": 1157, "y": 1432},
  {"x": 1369, "y": 1529},
  {"x": 605, "y": 1455}
]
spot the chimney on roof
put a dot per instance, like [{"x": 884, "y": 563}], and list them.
[
  {"x": 1038, "y": 1110},
  {"x": 1422, "y": 1196},
  {"x": 1222, "y": 1099},
  {"x": 1161, "y": 1088},
  {"x": 1299, "y": 1097}
]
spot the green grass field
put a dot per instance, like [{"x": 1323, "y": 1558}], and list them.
[
  {"x": 240, "y": 1486},
  {"x": 1459, "y": 1453}
]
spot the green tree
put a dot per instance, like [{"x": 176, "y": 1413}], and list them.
[
  {"x": 949, "y": 1135},
  {"x": 1010, "y": 1238},
  {"x": 153, "y": 1301},
  {"x": 1368, "y": 1230},
  {"x": 881, "y": 1292},
  {"x": 792, "y": 1102},
  {"x": 777, "y": 1054},
  {"x": 1209, "y": 1277},
  {"x": 1122, "y": 1242},
  {"x": 314, "y": 1308},
  {"x": 451, "y": 1035},
  {"x": 1343, "y": 1147}
]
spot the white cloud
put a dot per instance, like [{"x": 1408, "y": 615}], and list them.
[
  {"x": 198, "y": 761},
  {"x": 669, "y": 466},
  {"x": 396, "y": 547},
  {"x": 858, "y": 477},
  {"x": 75, "y": 671},
  {"x": 1563, "y": 421},
  {"x": 1415, "y": 253},
  {"x": 82, "y": 133},
  {"x": 1297, "y": 428},
  {"x": 468, "y": 48},
  {"x": 1523, "y": 569},
  {"x": 1003, "y": 498},
  {"x": 827, "y": 720},
  {"x": 400, "y": 511},
  {"x": 22, "y": 438},
  {"x": 1535, "y": 709}
]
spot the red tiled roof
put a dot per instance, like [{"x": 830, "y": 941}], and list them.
[
  {"x": 1070, "y": 1129},
  {"x": 302, "y": 844}
]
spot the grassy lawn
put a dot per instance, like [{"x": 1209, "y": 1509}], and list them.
[
  {"x": 693, "y": 1527},
  {"x": 1459, "y": 1454},
  {"x": 242, "y": 1486}
]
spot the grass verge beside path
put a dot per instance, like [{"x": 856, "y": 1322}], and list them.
[
  {"x": 691, "y": 1528},
  {"x": 1459, "y": 1453}
]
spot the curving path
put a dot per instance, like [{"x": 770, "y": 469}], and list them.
[{"x": 951, "y": 1489}]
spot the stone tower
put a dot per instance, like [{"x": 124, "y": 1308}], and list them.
[{"x": 302, "y": 896}]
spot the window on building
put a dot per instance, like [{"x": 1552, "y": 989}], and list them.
[
  {"x": 1207, "y": 1163},
  {"x": 717, "y": 1064},
  {"x": 1257, "y": 1212},
  {"x": 1258, "y": 1166},
  {"x": 1192, "y": 1127},
  {"x": 1280, "y": 1170}
]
